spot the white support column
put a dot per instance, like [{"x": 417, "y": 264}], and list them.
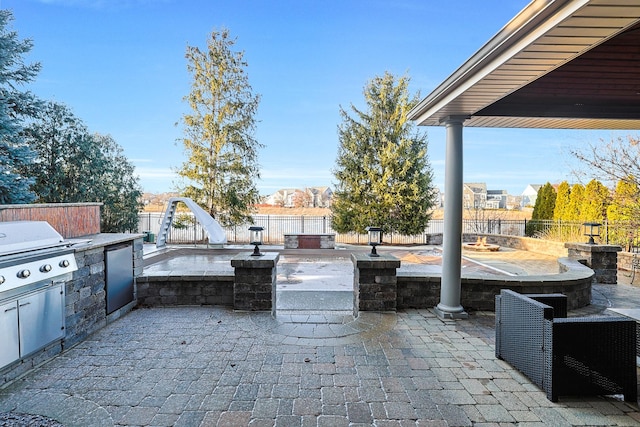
[{"x": 449, "y": 306}]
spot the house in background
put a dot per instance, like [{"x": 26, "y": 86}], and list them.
[
  {"x": 497, "y": 199},
  {"x": 320, "y": 196},
  {"x": 529, "y": 195},
  {"x": 474, "y": 195},
  {"x": 310, "y": 197},
  {"x": 514, "y": 202},
  {"x": 282, "y": 197}
]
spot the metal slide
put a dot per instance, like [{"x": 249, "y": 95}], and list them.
[{"x": 216, "y": 234}]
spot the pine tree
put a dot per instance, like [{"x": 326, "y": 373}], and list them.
[
  {"x": 574, "y": 212},
  {"x": 382, "y": 168},
  {"x": 72, "y": 166},
  {"x": 624, "y": 213},
  {"x": 545, "y": 203},
  {"x": 116, "y": 186},
  {"x": 15, "y": 106},
  {"x": 222, "y": 152},
  {"x": 62, "y": 145},
  {"x": 562, "y": 201},
  {"x": 595, "y": 202},
  {"x": 625, "y": 203}
]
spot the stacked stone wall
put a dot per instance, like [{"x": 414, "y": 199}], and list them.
[
  {"x": 162, "y": 289},
  {"x": 85, "y": 308},
  {"x": 319, "y": 241},
  {"x": 374, "y": 282},
  {"x": 417, "y": 290},
  {"x": 603, "y": 259},
  {"x": 254, "y": 287}
]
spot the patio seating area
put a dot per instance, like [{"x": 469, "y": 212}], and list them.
[{"x": 566, "y": 356}]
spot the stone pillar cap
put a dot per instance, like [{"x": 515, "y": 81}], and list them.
[
  {"x": 246, "y": 260},
  {"x": 363, "y": 260}
]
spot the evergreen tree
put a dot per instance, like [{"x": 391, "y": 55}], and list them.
[
  {"x": 62, "y": 145},
  {"x": 383, "y": 174},
  {"x": 545, "y": 203},
  {"x": 625, "y": 203},
  {"x": 624, "y": 214},
  {"x": 73, "y": 166},
  {"x": 117, "y": 186},
  {"x": 562, "y": 201},
  {"x": 595, "y": 202},
  {"x": 15, "y": 106},
  {"x": 574, "y": 212},
  {"x": 543, "y": 210},
  {"x": 222, "y": 152}
]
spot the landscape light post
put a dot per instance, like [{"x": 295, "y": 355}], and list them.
[
  {"x": 591, "y": 229},
  {"x": 255, "y": 239},
  {"x": 375, "y": 239}
]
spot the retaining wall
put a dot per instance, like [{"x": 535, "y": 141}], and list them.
[
  {"x": 628, "y": 261},
  {"x": 166, "y": 289},
  {"x": 417, "y": 290},
  {"x": 414, "y": 290},
  {"x": 530, "y": 244}
]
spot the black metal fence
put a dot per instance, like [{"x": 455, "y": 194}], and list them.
[
  {"x": 187, "y": 230},
  {"x": 622, "y": 233}
]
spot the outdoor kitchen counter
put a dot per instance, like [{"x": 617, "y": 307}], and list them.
[
  {"x": 105, "y": 275},
  {"x": 79, "y": 301},
  {"x": 104, "y": 239}
]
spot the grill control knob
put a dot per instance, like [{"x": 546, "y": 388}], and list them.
[
  {"x": 2, "y": 279},
  {"x": 64, "y": 263},
  {"x": 23, "y": 274},
  {"x": 45, "y": 268}
]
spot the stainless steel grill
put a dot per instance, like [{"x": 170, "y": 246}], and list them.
[{"x": 35, "y": 263}]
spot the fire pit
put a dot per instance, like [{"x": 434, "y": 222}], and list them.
[{"x": 481, "y": 245}]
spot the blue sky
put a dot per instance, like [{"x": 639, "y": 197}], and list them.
[{"x": 120, "y": 66}]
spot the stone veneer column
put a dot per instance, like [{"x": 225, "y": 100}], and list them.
[
  {"x": 602, "y": 259},
  {"x": 254, "y": 284},
  {"x": 375, "y": 283}
]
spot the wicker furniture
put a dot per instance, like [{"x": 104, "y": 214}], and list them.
[{"x": 566, "y": 356}]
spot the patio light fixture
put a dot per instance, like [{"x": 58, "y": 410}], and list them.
[
  {"x": 256, "y": 239},
  {"x": 591, "y": 229},
  {"x": 375, "y": 239}
]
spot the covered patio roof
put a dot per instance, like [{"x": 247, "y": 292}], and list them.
[
  {"x": 572, "y": 64},
  {"x": 563, "y": 64}
]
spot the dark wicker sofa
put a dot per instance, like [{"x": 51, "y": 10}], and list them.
[{"x": 566, "y": 356}]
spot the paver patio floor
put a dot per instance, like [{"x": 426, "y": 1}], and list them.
[{"x": 211, "y": 366}]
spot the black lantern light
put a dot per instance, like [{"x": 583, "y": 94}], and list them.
[
  {"x": 375, "y": 239},
  {"x": 591, "y": 229},
  {"x": 256, "y": 239}
]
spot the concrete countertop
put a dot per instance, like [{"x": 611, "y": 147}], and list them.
[{"x": 101, "y": 240}]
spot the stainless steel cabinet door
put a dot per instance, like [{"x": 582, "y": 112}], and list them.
[
  {"x": 9, "y": 346},
  {"x": 41, "y": 319},
  {"x": 118, "y": 264}
]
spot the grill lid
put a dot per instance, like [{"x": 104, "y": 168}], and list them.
[{"x": 24, "y": 236}]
